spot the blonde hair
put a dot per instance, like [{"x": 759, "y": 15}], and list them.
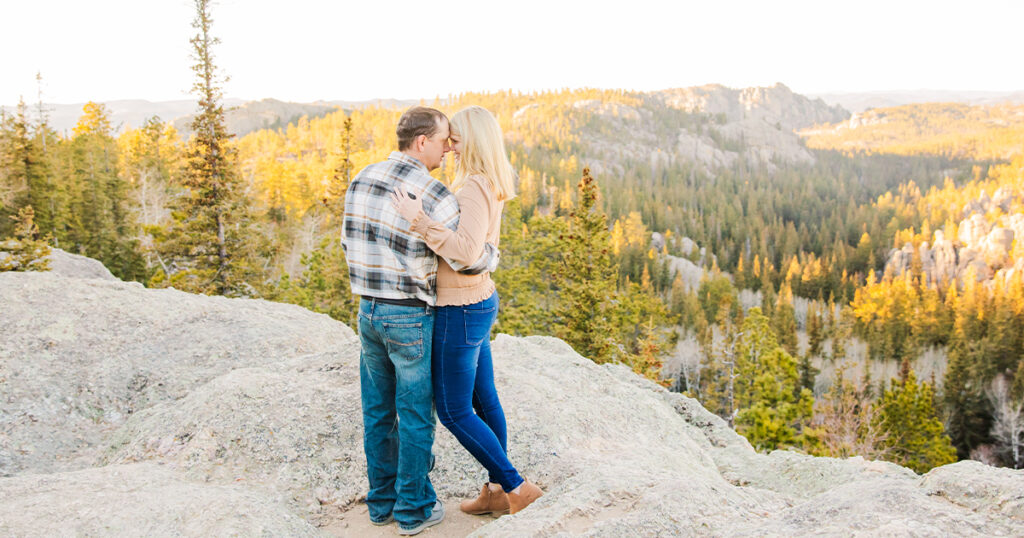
[{"x": 483, "y": 151}]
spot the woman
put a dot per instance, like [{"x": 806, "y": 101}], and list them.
[{"x": 467, "y": 306}]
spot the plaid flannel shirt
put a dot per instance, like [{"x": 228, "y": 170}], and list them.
[{"x": 386, "y": 259}]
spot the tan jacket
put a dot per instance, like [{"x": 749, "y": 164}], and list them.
[{"x": 479, "y": 223}]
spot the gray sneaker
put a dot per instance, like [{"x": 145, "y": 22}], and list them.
[
  {"x": 435, "y": 517},
  {"x": 386, "y": 521}
]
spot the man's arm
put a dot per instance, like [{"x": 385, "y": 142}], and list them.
[
  {"x": 441, "y": 205},
  {"x": 487, "y": 263}
]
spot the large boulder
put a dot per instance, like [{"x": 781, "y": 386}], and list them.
[
  {"x": 248, "y": 406},
  {"x": 689, "y": 272},
  {"x": 77, "y": 266},
  {"x": 79, "y": 356}
]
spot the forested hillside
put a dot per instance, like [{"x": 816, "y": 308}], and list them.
[
  {"x": 813, "y": 327},
  {"x": 955, "y": 130}
]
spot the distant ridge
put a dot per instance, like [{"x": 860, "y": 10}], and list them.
[
  {"x": 124, "y": 113},
  {"x": 861, "y": 101},
  {"x": 243, "y": 116},
  {"x": 385, "y": 103},
  {"x": 247, "y": 116},
  {"x": 262, "y": 114}
]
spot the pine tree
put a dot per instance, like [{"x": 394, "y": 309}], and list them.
[
  {"x": 967, "y": 417},
  {"x": 323, "y": 286},
  {"x": 915, "y": 437},
  {"x": 815, "y": 331},
  {"x": 50, "y": 195},
  {"x": 807, "y": 372},
  {"x": 151, "y": 161},
  {"x": 11, "y": 185},
  {"x": 100, "y": 224},
  {"x": 23, "y": 180},
  {"x": 530, "y": 253},
  {"x": 26, "y": 251},
  {"x": 212, "y": 242},
  {"x": 718, "y": 298},
  {"x": 642, "y": 329},
  {"x": 784, "y": 320},
  {"x": 587, "y": 278},
  {"x": 718, "y": 382},
  {"x": 772, "y": 410},
  {"x": 646, "y": 360},
  {"x": 342, "y": 173}
]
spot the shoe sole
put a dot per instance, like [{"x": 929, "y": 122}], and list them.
[
  {"x": 422, "y": 527},
  {"x": 485, "y": 512}
]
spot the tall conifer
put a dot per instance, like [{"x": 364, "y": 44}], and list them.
[
  {"x": 772, "y": 409},
  {"x": 587, "y": 277},
  {"x": 211, "y": 241},
  {"x": 22, "y": 166},
  {"x": 914, "y": 434},
  {"x": 99, "y": 223}
]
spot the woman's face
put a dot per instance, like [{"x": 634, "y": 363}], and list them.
[{"x": 456, "y": 143}]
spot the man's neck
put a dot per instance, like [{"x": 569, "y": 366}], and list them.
[{"x": 417, "y": 156}]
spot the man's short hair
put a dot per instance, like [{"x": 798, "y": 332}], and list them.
[{"x": 418, "y": 120}]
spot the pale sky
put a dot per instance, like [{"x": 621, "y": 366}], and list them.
[{"x": 305, "y": 50}]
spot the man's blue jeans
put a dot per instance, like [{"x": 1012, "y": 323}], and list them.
[
  {"x": 467, "y": 402},
  {"x": 398, "y": 409}
]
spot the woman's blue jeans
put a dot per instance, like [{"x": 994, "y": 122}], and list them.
[{"x": 463, "y": 374}]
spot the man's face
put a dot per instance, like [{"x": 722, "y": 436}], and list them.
[{"x": 436, "y": 146}]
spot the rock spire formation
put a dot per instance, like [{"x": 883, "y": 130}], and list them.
[{"x": 983, "y": 246}]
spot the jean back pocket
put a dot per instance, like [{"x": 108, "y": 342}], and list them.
[
  {"x": 478, "y": 324},
  {"x": 404, "y": 340}
]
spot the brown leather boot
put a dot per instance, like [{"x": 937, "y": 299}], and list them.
[
  {"x": 528, "y": 493},
  {"x": 489, "y": 502}
]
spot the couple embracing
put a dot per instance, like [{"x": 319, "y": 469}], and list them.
[{"x": 420, "y": 258}]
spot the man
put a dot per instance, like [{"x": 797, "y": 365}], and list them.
[{"x": 394, "y": 272}]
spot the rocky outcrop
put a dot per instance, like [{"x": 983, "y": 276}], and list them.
[
  {"x": 760, "y": 122},
  {"x": 689, "y": 272},
  {"x": 763, "y": 142},
  {"x": 972, "y": 230},
  {"x": 773, "y": 105},
  {"x": 79, "y": 356},
  {"x": 192, "y": 415},
  {"x": 77, "y": 266},
  {"x": 144, "y": 499},
  {"x": 701, "y": 148},
  {"x": 711, "y": 126},
  {"x": 983, "y": 245}
]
